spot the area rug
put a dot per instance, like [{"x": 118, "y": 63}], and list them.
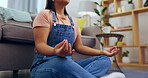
[{"x": 135, "y": 74}]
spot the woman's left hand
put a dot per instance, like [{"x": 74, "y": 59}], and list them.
[{"x": 111, "y": 52}]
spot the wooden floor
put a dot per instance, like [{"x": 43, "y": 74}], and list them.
[{"x": 20, "y": 74}]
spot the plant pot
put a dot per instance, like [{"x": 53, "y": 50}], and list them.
[
  {"x": 106, "y": 29},
  {"x": 126, "y": 60},
  {"x": 129, "y": 7},
  {"x": 146, "y": 3}
]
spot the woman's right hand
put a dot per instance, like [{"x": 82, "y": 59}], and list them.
[{"x": 63, "y": 49}]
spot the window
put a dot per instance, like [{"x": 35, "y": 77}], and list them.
[{"x": 3, "y": 3}]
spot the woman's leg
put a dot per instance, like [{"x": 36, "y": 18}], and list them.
[
  {"x": 59, "y": 67},
  {"x": 97, "y": 66}
]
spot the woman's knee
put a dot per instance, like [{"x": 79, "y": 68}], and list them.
[{"x": 105, "y": 60}]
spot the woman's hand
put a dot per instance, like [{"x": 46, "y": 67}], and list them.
[
  {"x": 111, "y": 52},
  {"x": 63, "y": 49}
]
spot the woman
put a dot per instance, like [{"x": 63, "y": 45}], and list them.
[{"x": 55, "y": 33}]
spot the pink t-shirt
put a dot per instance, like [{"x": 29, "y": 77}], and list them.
[{"x": 44, "y": 19}]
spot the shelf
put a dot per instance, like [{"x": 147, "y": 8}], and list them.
[
  {"x": 135, "y": 31},
  {"x": 125, "y": 29},
  {"x": 143, "y": 45},
  {"x": 132, "y": 64},
  {"x": 130, "y": 46},
  {"x": 141, "y": 10},
  {"x": 125, "y": 46},
  {"x": 107, "y": 1},
  {"x": 121, "y": 14}
]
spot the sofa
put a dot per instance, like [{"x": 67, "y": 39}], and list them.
[{"x": 17, "y": 44}]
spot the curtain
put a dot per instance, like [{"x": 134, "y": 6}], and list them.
[{"x": 24, "y": 5}]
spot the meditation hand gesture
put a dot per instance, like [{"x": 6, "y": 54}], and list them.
[
  {"x": 110, "y": 52},
  {"x": 63, "y": 49}
]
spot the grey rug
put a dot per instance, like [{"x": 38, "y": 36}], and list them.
[{"x": 135, "y": 74}]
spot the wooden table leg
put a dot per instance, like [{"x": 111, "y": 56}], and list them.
[
  {"x": 141, "y": 55},
  {"x": 119, "y": 56},
  {"x": 106, "y": 41}
]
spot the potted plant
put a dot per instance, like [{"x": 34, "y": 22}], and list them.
[
  {"x": 103, "y": 22},
  {"x": 125, "y": 57},
  {"x": 130, "y": 5}
]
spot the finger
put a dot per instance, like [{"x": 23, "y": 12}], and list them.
[
  {"x": 60, "y": 44},
  {"x": 72, "y": 52},
  {"x": 69, "y": 47},
  {"x": 113, "y": 48},
  {"x": 112, "y": 54},
  {"x": 68, "y": 53},
  {"x": 62, "y": 47},
  {"x": 116, "y": 51},
  {"x": 65, "y": 49}
]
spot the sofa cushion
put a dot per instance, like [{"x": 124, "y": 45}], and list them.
[
  {"x": 88, "y": 41},
  {"x": 22, "y": 24},
  {"x": 17, "y": 32}
]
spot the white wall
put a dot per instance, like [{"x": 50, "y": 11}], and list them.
[
  {"x": 41, "y": 5},
  {"x": 73, "y": 7},
  {"x": 3, "y": 3}
]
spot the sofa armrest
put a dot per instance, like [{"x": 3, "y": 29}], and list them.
[
  {"x": 91, "y": 31},
  {"x": 88, "y": 41}
]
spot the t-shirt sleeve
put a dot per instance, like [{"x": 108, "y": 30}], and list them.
[{"x": 42, "y": 19}]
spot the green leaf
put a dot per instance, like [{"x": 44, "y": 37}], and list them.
[
  {"x": 97, "y": 3},
  {"x": 101, "y": 4},
  {"x": 97, "y": 12},
  {"x": 108, "y": 24},
  {"x": 106, "y": 20},
  {"x": 104, "y": 9},
  {"x": 95, "y": 24},
  {"x": 98, "y": 21},
  {"x": 107, "y": 16},
  {"x": 125, "y": 53}
]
